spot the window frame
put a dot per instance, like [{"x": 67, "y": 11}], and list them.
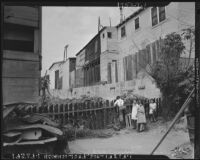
[
  {"x": 162, "y": 12},
  {"x": 154, "y": 16},
  {"x": 124, "y": 33},
  {"x": 136, "y": 23},
  {"x": 109, "y": 33}
]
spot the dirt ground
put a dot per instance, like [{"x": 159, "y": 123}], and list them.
[{"x": 128, "y": 141}]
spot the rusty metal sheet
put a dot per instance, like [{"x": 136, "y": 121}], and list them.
[
  {"x": 31, "y": 142},
  {"x": 42, "y": 126}
]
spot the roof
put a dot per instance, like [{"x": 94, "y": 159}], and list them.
[
  {"x": 131, "y": 16},
  {"x": 142, "y": 9},
  {"x": 58, "y": 63},
  {"x": 91, "y": 40}
]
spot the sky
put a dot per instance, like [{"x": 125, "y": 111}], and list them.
[{"x": 73, "y": 26}]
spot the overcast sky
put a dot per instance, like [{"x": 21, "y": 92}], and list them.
[{"x": 74, "y": 26}]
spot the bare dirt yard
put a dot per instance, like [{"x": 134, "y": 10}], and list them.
[{"x": 129, "y": 141}]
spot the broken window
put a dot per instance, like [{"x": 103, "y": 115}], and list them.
[
  {"x": 162, "y": 15},
  {"x": 109, "y": 35},
  {"x": 154, "y": 16},
  {"x": 123, "y": 31},
  {"x": 137, "y": 25}
]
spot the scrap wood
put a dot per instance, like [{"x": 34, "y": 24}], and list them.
[
  {"x": 10, "y": 107},
  {"x": 7, "y": 111},
  {"x": 34, "y": 118},
  {"x": 12, "y": 134},
  {"x": 42, "y": 126},
  {"x": 31, "y": 134},
  {"x": 31, "y": 142}
]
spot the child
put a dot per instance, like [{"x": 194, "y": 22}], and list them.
[
  {"x": 134, "y": 113},
  {"x": 152, "y": 110},
  {"x": 141, "y": 118}
]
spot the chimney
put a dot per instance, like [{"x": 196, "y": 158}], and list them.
[
  {"x": 121, "y": 14},
  {"x": 65, "y": 52},
  {"x": 99, "y": 24}
]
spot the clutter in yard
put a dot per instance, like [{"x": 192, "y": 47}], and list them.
[
  {"x": 184, "y": 151},
  {"x": 75, "y": 133},
  {"x": 82, "y": 99},
  {"x": 29, "y": 130}
]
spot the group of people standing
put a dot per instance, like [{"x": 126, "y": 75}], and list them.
[{"x": 138, "y": 114}]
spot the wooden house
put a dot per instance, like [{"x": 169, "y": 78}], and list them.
[{"x": 21, "y": 59}]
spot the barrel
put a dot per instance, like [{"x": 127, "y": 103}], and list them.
[{"x": 191, "y": 126}]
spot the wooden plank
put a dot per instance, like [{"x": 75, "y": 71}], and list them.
[
  {"x": 20, "y": 90},
  {"x": 23, "y": 56},
  {"x": 154, "y": 52},
  {"x": 21, "y": 15},
  {"x": 23, "y": 12},
  {"x": 37, "y": 41},
  {"x": 13, "y": 68},
  {"x": 22, "y": 22}
]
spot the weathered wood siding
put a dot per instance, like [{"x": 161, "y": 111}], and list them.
[{"x": 21, "y": 54}]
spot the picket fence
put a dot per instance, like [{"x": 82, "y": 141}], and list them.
[{"x": 93, "y": 115}]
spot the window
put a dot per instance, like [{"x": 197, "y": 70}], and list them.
[
  {"x": 154, "y": 16},
  {"x": 109, "y": 34},
  {"x": 103, "y": 35},
  {"x": 56, "y": 79},
  {"x": 95, "y": 47},
  {"x": 162, "y": 16},
  {"x": 137, "y": 25},
  {"x": 18, "y": 38},
  {"x": 123, "y": 31},
  {"x": 109, "y": 73}
]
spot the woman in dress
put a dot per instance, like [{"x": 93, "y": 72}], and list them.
[
  {"x": 134, "y": 113},
  {"x": 141, "y": 118}
]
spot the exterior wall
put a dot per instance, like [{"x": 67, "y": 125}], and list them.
[
  {"x": 110, "y": 91},
  {"x": 105, "y": 58},
  {"x": 65, "y": 74},
  {"x": 79, "y": 73},
  {"x": 21, "y": 54},
  {"x": 115, "y": 49}
]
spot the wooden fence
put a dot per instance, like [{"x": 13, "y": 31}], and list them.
[{"x": 94, "y": 115}]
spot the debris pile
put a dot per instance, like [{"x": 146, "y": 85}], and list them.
[
  {"x": 184, "y": 151},
  {"x": 22, "y": 129}
]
